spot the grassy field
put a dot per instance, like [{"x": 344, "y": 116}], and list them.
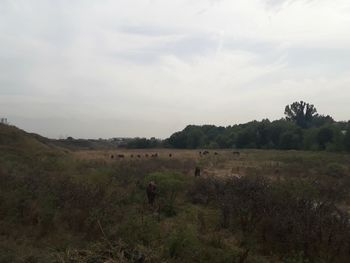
[
  {"x": 270, "y": 163},
  {"x": 61, "y": 206}
]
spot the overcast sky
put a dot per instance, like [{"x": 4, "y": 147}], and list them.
[{"x": 111, "y": 68}]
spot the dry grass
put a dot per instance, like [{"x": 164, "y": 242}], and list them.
[{"x": 269, "y": 163}]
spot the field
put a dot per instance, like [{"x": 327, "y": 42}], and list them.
[
  {"x": 58, "y": 205},
  {"x": 270, "y": 163}
]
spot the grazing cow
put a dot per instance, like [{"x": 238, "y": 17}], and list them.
[
  {"x": 151, "y": 192},
  {"x": 132, "y": 156},
  {"x": 205, "y": 152},
  {"x": 170, "y": 155},
  {"x": 112, "y": 156},
  {"x": 197, "y": 171},
  {"x": 146, "y": 154},
  {"x": 200, "y": 153},
  {"x": 155, "y": 155},
  {"x": 138, "y": 156},
  {"x": 121, "y": 155},
  {"x": 215, "y": 153}
]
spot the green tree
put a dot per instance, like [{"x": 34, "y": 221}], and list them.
[
  {"x": 263, "y": 134},
  {"x": 291, "y": 140},
  {"x": 246, "y": 139},
  {"x": 223, "y": 141},
  {"x": 347, "y": 140},
  {"x": 324, "y": 136},
  {"x": 321, "y": 120},
  {"x": 178, "y": 140},
  {"x": 310, "y": 139},
  {"x": 301, "y": 113},
  {"x": 194, "y": 138}
]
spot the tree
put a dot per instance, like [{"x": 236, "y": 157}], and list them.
[
  {"x": 263, "y": 134},
  {"x": 324, "y": 136},
  {"x": 291, "y": 140},
  {"x": 347, "y": 140},
  {"x": 194, "y": 138},
  {"x": 301, "y": 113},
  {"x": 178, "y": 140},
  {"x": 223, "y": 141},
  {"x": 246, "y": 139},
  {"x": 321, "y": 120}
]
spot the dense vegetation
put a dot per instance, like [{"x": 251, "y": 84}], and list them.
[
  {"x": 286, "y": 206},
  {"x": 302, "y": 129},
  {"x": 280, "y": 134}
]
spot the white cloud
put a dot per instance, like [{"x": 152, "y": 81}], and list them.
[{"x": 154, "y": 66}]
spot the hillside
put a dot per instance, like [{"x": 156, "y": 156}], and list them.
[
  {"x": 21, "y": 151},
  {"x": 14, "y": 138}
]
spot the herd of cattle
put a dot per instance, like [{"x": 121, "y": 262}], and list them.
[{"x": 155, "y": 155}]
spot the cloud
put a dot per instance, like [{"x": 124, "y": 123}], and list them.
[
  {"x": 149, "y": 67},
  {"x": 181, "y": 46}
]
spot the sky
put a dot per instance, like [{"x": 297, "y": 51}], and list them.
[{"x": 126, "y": 68}]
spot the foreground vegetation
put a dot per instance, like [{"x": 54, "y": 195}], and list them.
[{"x": 261, "y": 206}]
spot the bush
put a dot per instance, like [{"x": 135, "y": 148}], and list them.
[
  {"x": 183, "y": 244},
  {"x": 169, "y": 185},
  {"x": 336, "y": 170},
  {"x": 202, "y": 190},
  {"x": 286, "y": 217}
]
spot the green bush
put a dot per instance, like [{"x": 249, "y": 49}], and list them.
[
  {"x": 183, "y": 244},
  {"x": 169, "y": 185}
]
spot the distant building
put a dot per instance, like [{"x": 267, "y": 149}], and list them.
[{"x": 4, "y": 121}]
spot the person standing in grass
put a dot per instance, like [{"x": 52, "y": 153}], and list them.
[
  {"x": 151, "y": 192},
  {"x": 197, "y": 171}
]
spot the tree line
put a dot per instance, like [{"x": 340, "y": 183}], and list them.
[{"x": 302, "y": 128}]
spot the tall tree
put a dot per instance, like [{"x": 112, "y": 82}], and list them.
[{"x": 301, "y": 113}]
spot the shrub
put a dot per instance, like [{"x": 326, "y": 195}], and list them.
[
  {"x": 169, "y": 185},
  {"x": 288, "y": 217},
  {"x": 183, "y": 244},
  {"x": 202, "y": 190},
  {"x": 336, "y": 170}
]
